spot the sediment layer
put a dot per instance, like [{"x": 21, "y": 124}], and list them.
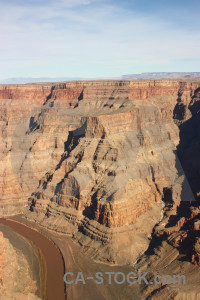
[{"x": 95, "y": 159}]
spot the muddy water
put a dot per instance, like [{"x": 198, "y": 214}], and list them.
[
  {"x": 54, "y": 264},
  {"x": 31, "y": 252}
]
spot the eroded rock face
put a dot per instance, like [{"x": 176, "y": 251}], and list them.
[
  {"x": 15, "y": 280},
  {"x": 95, "y": 159},
  {"x": 175, "y": 240}
]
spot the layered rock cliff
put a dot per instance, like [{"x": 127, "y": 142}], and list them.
[
  {"x": 96, "y": 159},
  {"x": 175, "y": 243}
]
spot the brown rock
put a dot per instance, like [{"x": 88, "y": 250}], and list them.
[{"x": 95, "y": 156}]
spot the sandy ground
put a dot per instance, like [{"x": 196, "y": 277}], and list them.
[
  {"x": 73, "y": 259},
  {"x": 31, "y": 252},
  {"x": 55, "y": 288},
  {"x": 76, "y": 261}
]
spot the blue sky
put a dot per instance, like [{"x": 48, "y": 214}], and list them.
[{"x": 98, "y": 38}]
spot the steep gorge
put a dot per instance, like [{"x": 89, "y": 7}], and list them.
[{"x": 101, "y": 160}]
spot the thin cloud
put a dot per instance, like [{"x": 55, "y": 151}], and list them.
[
  {"x": 94, "y": 38},
  {"x": 73, "y": 3}
]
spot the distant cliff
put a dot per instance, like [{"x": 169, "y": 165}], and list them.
[{"x": 163, "y": 75}]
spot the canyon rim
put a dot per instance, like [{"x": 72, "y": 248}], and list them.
[{"x": 114, "y": 164}]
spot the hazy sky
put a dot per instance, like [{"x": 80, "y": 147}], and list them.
[{"x": 98, "y": 38}]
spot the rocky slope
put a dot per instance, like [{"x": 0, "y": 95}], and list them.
[
  {"x": 15, "y": 280},
  {"x": 98, "y": 160},
  {"x": 176, "y": 240}
]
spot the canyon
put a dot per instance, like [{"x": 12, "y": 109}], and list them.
[{"x": 114, "y": 164}]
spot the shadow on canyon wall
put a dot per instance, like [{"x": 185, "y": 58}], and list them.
[{"x": 187, "y": 164}]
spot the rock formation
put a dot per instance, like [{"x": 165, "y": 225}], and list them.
[
  {"x": 175, "y": 243},
  {"x": 15, "y": 280},
  {"x": 100, "y": 160}
]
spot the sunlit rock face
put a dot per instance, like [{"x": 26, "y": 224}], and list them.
[
  {"x": 94, "y": 159},
  {"x": 15, "y": 278}
]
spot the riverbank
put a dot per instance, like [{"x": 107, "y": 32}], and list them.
[
  {"x": 55, "y": 288},
  {"x": 32, "y": 254},
  {"x": 78, "y": 259}
]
